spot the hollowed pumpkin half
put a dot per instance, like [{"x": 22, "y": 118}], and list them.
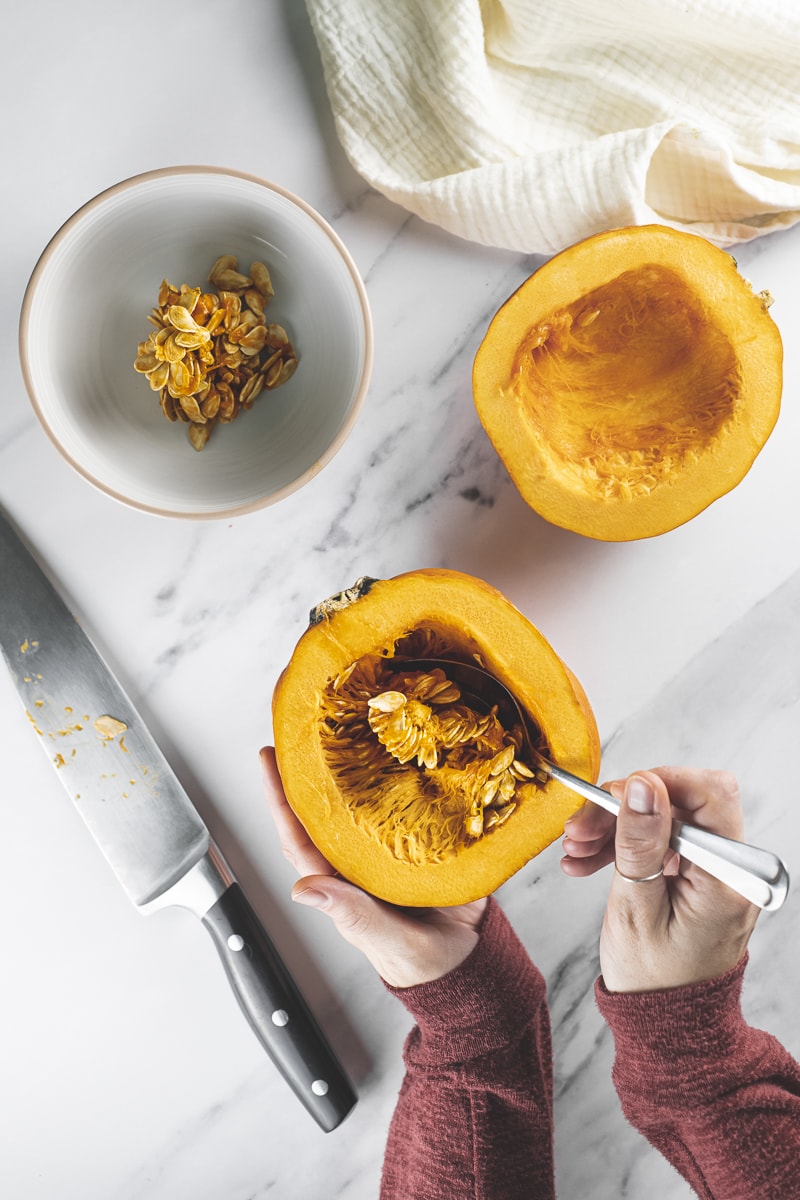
[
  {"x": 405, "y": 830},
  {"x": 630, "y": 382}
]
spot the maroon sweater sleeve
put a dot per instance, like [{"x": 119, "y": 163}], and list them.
[
  {"x": 474, "y": 1118},
  {"x": 719, "y": 1099}
]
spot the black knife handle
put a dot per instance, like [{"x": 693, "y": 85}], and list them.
[{"x": 277, "y": 1012}]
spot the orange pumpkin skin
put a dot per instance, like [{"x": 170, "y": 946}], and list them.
[
  {"x": 470, "y": 617},
  {"x": 630, "y": 382}
]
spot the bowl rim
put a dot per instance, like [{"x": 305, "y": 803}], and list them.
[{"x": 360, "y": 290}]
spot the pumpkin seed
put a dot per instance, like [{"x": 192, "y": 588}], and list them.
[{"x": 210, "y": 353}]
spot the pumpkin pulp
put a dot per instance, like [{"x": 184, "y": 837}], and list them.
[
  {"x": 603, "y": 383},
  {"x": 418, "y": 767}
]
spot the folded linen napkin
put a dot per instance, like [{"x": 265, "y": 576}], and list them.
[{"x": 530, "y": 125}]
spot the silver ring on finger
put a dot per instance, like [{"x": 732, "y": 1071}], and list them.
[{"x": 641, "y": 878}]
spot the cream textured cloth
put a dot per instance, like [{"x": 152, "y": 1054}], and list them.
[{"x": 530, "y": 125}]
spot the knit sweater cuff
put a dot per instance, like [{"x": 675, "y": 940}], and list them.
[
  {"x": 484, "y": 1003},
  {"x": 676, "y": 1043}
]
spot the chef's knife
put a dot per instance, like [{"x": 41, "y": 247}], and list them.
[{"x": 144, "y": 822}]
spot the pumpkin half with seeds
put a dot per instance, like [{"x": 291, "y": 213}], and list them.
[
  {"x": 630, "y": 382},
  {"x": 411, "y": 791}
]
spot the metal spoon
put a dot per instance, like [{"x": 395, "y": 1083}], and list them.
[{"x": 756, "y": 874}]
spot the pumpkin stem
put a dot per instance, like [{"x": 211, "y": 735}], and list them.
[{"x": 340, "y": 600}]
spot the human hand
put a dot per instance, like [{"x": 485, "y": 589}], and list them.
[
  {"x": 405, "y": 946},
  {"x": 678, "y": 927}
]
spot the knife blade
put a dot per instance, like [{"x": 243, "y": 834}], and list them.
[{"x": 144, "y": 822}]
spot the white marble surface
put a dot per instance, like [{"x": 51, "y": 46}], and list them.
[{"x": 127, "y": 1070}]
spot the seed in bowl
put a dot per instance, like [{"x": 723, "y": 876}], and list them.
[{"x": 212, "y": 353}]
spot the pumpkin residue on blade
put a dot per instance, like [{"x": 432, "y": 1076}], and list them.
[{"x": 109, "y": 727}]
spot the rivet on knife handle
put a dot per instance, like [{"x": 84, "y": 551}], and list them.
[{"x": 276, "y": 1010}]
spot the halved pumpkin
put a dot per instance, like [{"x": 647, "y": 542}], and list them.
[
  {"x": 413, "y": 816},
  {"x": 631, "y": 381}
]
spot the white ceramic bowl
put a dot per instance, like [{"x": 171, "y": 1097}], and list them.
[{"x": 85, "y": 310}]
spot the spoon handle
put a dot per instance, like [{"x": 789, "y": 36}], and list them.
[{"x": 756, "y": 874}]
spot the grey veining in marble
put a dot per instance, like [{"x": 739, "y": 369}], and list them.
[{"x": 128, "y": 1072}]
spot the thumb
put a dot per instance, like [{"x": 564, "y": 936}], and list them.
[
  {"x": 644, "y": 826},
  {"x": 361, "y": 919}
]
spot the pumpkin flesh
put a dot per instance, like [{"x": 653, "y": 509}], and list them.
[
  {"x": 401, "y": 830},
  {"x": 630, "y": 382}
]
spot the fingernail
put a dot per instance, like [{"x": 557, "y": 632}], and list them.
[
  {"x": 312, "y": 897},
  {"x": 640, "y": 796}
]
